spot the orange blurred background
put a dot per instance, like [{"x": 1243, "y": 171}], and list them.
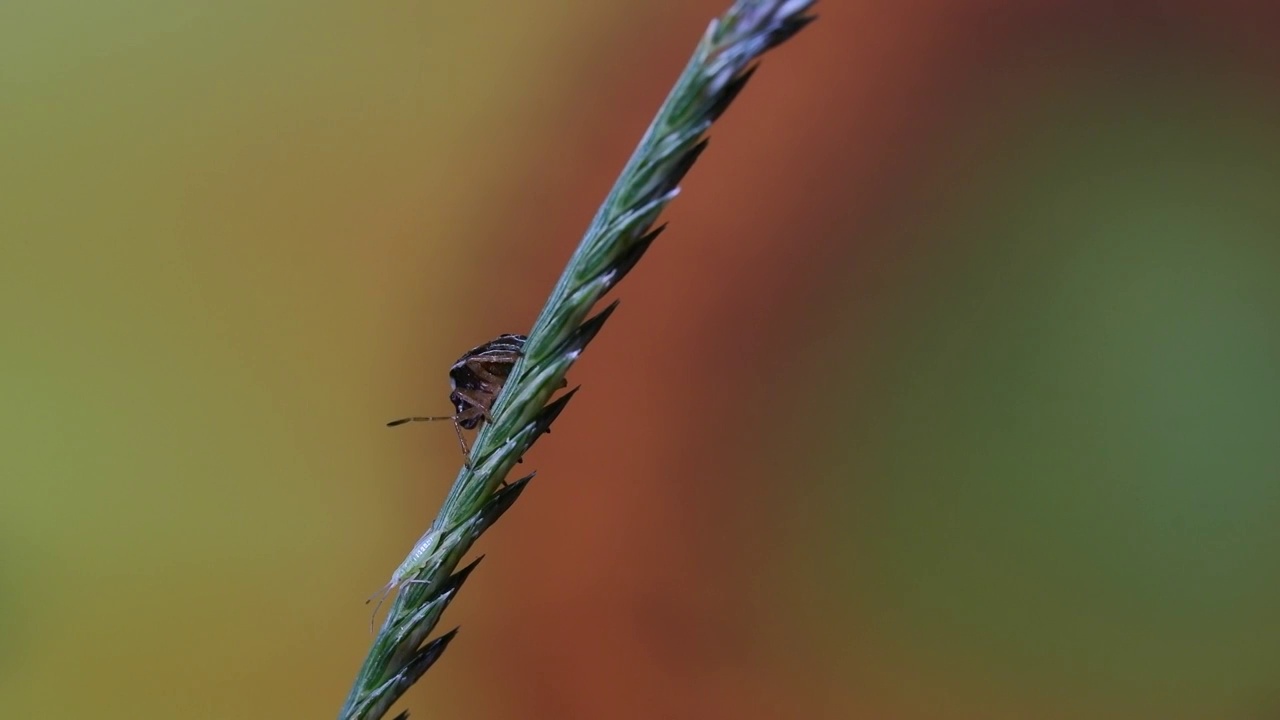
[{"x": 950, "y": 392}]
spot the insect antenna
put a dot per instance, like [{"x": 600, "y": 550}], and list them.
[
  {"x": 402, "y": 421},
  {"x": 382, "y": 596},
  {"x": 384, "y": 593},
  {"x": 462, "y": 442}
]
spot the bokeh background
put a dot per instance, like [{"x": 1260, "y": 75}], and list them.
[{"x": 951, "y": 391}]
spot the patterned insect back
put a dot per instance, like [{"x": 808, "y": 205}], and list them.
[{"x": 478, "y": 376}]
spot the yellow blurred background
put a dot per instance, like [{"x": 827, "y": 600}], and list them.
[{"x": 950, "y": 392}]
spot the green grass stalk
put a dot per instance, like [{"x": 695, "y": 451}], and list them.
[{"x": 618, "y": 236}]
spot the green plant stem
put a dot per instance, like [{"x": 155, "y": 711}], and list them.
[{"x": 616, "y": 239}]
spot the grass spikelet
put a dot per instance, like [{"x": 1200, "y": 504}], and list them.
[{"x": 618, "y": 236}]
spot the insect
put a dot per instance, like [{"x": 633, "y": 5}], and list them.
[
  {"x": 475, "y": 380},
  {"x": 417, "y": 560}
]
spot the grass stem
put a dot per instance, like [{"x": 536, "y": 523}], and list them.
[{"x": 618, "y": 236}]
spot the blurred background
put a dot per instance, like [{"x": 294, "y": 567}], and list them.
[{"x": 950, "y": 392}]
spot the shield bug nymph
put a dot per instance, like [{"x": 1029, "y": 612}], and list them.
[{"x": 476, "y": 379}]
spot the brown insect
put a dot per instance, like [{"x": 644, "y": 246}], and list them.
[{"x": 476, "y": 379}]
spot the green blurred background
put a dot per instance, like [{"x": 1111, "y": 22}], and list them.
[{"x": 951, "y": 391}]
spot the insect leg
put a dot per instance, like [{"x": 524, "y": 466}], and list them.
[
  {"x": 475, "y": 403},
  {"x": 462, "y": 442},
  {"x": 506, "y": 360}
]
